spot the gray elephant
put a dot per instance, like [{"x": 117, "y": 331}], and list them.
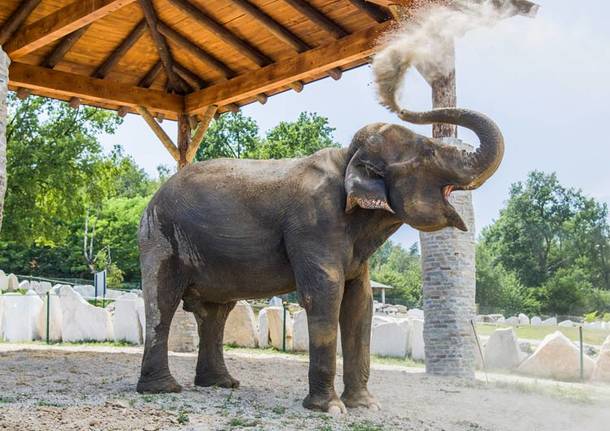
[{"x": 224, "y": 230}]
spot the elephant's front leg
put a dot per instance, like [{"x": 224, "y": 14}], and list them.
[
  {"x": 355, "y": 319},
  {"x": 320, "y": 289}
]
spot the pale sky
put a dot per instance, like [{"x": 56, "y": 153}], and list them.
[{"x": 546, "y": 82}]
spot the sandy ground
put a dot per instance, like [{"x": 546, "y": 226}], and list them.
[{"x": 65, "y": 388}]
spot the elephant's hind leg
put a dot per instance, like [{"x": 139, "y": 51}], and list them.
[
  {"x": 211, "y": 368},
  {"x": 161, "y": 298}
]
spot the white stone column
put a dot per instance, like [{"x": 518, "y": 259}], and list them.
[
  {"x": 448, "y": 267},
  {"x": 4, "y": 63}
]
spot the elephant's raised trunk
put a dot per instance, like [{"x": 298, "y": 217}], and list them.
[{"x": 472, "y": 169}]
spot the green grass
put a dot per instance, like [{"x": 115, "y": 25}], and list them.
[
  {"x": 364, "y": 426},
  {"x": 590, "y": 336}
]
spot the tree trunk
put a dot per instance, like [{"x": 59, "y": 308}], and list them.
[
  {"x": 4, "y": 63},
  {"x": 448, "y": 270}
]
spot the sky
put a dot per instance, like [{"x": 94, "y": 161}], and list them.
[{"x": 545, "y": 81}]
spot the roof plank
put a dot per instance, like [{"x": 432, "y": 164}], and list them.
[
  {"x": 17, "y": 18},
  {"x": 60, "y": 23},
  {"x": 54, "y": 83},
  {"x": 318, "y": 18},
  {"x": 116, "y": 55},
  {"x": 62, "y": 48},
  {"x": 344, "y": 51}
]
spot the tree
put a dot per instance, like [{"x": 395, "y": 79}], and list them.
[
  {"x": 308, "y": 134},
  {"x": 231, "y": 135}
]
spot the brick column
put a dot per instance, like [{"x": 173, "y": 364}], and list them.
[
  {"x": 4, "y": 63},
  {"x": 448, "y": 266}
]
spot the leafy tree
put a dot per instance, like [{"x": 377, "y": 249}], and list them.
[
  {"x": 231, "y": 135},
  {"x": 401, "y": 269},
  {"x": 308, "y": 134}
]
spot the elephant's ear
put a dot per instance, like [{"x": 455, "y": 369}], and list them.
[{"x": 364, "y": 185}]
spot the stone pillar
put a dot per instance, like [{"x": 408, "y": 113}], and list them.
[
  {"x": 448, "y": 267},
  {"x": 4, "y": 63},
  {"x": 183, "y": 334}
]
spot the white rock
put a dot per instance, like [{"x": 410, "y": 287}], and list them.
[
  {"x": 566, "y": 324},
  {"x": 21, "y": 313},
  {"x": 125, "y": 322},
  {"x": 523, "y": 319},
  {"x": 55, "y": 316},
  {"x": 552, "y": 321},
  {"x": 240, "y": 328},
  {"x": 416, "y": 340},
  {"x": 415, "y": 313},
  {"x": 300, "y": 332},
  {"x": 141, "y": 315},
  {"x": 81, "y": 320},
  {"x": 263, "y": 329},
  {"x": 3, "y": 281},
  {"x": 558, "y": 358},
  {"x": 513, "y": 321},
  {"x": 380, "y": 320},
  {"x": 25, "y": 285},
  {"x": 275, "y": 318},
  {"x": 501, "y": 320},
  {"x": 601, "y": 373},
  {"x": 276, "y": 301},
  {"x": 113, "y": 293},
  {"x": 12, "y": 283},
  {"x": 536, "y": 321},
  {"x": 390, "y": 339},
  {"x": 502, "y": 350}
]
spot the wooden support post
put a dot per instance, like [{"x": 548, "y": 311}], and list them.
[
  {"x": 204, "y": 123},
  {"x": 184, "y": 139},
  {"x": 165, "y": 140}
]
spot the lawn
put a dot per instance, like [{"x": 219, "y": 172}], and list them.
[{"x": 591, "y": 336}]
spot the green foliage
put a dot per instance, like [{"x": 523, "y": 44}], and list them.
[
  {"x": 550, "y": 247},
  {"x": 401, "y": 269},
  {"x": 237, "y": 136}
]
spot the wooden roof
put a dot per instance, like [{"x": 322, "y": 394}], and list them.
[{"x": 181, "y": 56}]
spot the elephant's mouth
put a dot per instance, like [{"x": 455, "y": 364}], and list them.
[{"x": 447, "y": 191}]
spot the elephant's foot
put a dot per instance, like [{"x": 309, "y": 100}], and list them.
[
  {"x": 158, "y": 385},
  {"x": 360, "y": 398},
  {"x": 222, "y": 380},
  {"x": 326, "y": 403}
]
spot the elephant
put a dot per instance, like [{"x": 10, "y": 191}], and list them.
[{"x": 224, "y": 230}]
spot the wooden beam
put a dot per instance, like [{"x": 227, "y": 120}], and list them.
[
  {"x": 74, "y": 102},
  {"x": 206, "y": 119},
  {"x": 62, "y": 85},
  {"x": 278, "y": 30},
  {"x": 191, "y": 78},
  {"x": 318, "y": 18},
  {"x": 371, "y": 9},
  {"x": 62, "y": 48},
  {"x": 165, "y": 140},
  {"x": 123, "y": 110},
  {"x": 18, "y": 17},
  {"x": 151, "y": 75},
  {"x": 197, "y": 51},
  {"x": 243, "y": 47},
  {"x": 297, "y": 86},
  {"x": 335, "y": 73},
  {"x": 23, "y": 93},
  {"x": 184, "y": 139},
  {"x": 118, "y": 53},
  {"x": 345, "y": 51},
  {"x": 164, "y": 53},
  {"x": 60, "y": 23}
]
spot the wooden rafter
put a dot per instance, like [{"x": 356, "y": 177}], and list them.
[
  {"x": 165, "y": 140},
  {"x": 190, "y": 77},
  {"x": 318, "y": 18},
  {"x": 243, "y": 47},
  {"x": 371, "y": 9},
  {"x": 161, "y": 44},
  {"x": 59, "y": 24},
  {"x": 151, "y": 75},
  {"x": 62, "y": 48},
  {"x": 342, "y": 52},
  {"x": 116, "y": 55},
  {"x": 197, "y": 51},
  {"x": 278, "y": 30},
  {"x": 17, "y": 18},
  {"x": 64, "y": 85},
  {"x": 204, "y": 123}
]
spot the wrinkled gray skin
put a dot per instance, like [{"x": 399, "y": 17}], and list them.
[{"x": 224, "y": 230}]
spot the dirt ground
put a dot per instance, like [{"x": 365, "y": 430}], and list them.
[{"x": 81, "y": 390}]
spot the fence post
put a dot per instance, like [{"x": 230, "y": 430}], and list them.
[
  {"x": 582, "y": 355},
  {"x": 284, "y": 328},
  {"x": 48, "y": 314}
]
